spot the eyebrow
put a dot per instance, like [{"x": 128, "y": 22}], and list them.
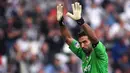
[{"x": 83, "y": 41}]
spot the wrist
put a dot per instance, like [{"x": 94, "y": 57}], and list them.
[
  {"x": 61, "y": 21},
  {"x": 80, "y": 21}
]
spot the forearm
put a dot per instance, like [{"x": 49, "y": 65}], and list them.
[
  {"x": 77, "y": 11},
  {"x": 90, "y": 33},
  {"x": 14, "y": 34},
  {"x": 65, "y": 32},
  {"x": 88, "y": 30}
]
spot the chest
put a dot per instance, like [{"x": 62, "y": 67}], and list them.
[{"x": 89, "y": 65}]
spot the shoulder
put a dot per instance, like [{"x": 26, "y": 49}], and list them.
[
  {"x": 99, "y": 44},
  {"x": 75, "y": 43}
]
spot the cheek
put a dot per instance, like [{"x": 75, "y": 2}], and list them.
[
  {"x": 88, "y": 42},
  {"x": 86, "y": 45}
]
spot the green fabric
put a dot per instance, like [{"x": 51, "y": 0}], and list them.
[{"x": 96, "y": 62}]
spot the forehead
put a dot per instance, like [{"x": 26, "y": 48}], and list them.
[{"x": 83, "y": 38}]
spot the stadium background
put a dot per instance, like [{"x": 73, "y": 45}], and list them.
[{"x": 31, "y": 42}]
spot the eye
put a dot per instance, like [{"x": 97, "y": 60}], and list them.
[{"x": 85, "y": 41}]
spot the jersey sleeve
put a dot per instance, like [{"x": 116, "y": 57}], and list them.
[
  {"x": 100, "y": 51},
  {"x": 76, "y": 49}
]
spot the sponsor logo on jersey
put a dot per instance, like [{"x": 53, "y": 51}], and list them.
[
  {"x": 77, "y": 45},
  {"x": 87, "y": 68}
]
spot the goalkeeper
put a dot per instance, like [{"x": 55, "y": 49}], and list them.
[{"x": 88, "y": 48}]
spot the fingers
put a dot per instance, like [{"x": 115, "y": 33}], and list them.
[
  {"x": 73, "y": 7},
  {"x": 76, "y": 5},
  {"x": 80, "y": 9},
  {"x": 60, "y": 7},
  {"x": 59, "y": 11},
  {"x": 57, "y": 7}
]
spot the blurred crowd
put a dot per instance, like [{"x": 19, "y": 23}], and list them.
[{"x": 31, "y": 42}]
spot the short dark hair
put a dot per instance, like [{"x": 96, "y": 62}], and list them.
[{"x": 81, "y": 33}]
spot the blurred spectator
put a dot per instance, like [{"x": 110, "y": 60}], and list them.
[
  {"x": 119, "y": 5},
  {"x": 35, "y": 65},
  {"x": 118, "y": 29},
  {"x": 126, "y": 14},
  {"x": 22, "y": 49},
  {"x": 122, "y": 48},
  {"x": 3, "y": 64},
  {"x": 18, "y": 53},
  {"x": 14, "y": 31},
  {"x": 124, "y": 63},
  {"x": 54, "y": 38},
  {"x": 118, "y": 70},
  {"x": 22, "y": 44},
  {"x": 3, "y": 5},
  {"x": 55, "y": 42},
  {"x": 110, "y": 14},
  {"x": 31, "y": 29},
  {"x": 94, "y": 14},
  {"x": 43, "y": 55},
  {"x": 35, "y": 47},
  {"x": 44, "y": 27},
  {"x": 26, "y": 52},
  {"x": 56, "y": 66},
  {"x": 2, "y": 42},
  {"x": 73, "y": 64}
]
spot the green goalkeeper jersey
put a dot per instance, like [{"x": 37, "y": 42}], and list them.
[{"x": 96, "y": 62}]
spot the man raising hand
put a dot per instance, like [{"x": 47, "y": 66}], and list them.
[{"x": 88, "y": 48}]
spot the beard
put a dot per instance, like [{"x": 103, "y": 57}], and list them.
[{"x": 87, "y": 50}]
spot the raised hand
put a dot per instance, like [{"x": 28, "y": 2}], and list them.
[
  {"x": 77, "y": 10},
  {"x": 59, "y": 12}
]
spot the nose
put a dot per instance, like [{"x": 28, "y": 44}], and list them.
[{"x": 82, "y": 45}]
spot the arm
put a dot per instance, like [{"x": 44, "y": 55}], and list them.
[
  {"x": 97, "y": 45},
  {"x": 64, "y": 31},
  {"x": 90, "y": 33},
  {"x": 13, "y": 34},
  {"x": 66, "y": 34},
  {"x": 99, "y": 48},
  {"x": 18, "y": 52},
  {"x": 77, "y": 10},
  {"x": 73, "y": 44}
]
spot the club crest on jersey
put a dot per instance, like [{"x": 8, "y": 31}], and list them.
[
  {"x": 87, "y": 69},
  {"x": 77, "y": 45}
]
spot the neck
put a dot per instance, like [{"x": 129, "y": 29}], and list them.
[{"x": 87, "y": 52}]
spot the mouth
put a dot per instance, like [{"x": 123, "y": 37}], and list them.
[
  {"x": 84, "y": 48},
  {"x": 86, "y": 51}
]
